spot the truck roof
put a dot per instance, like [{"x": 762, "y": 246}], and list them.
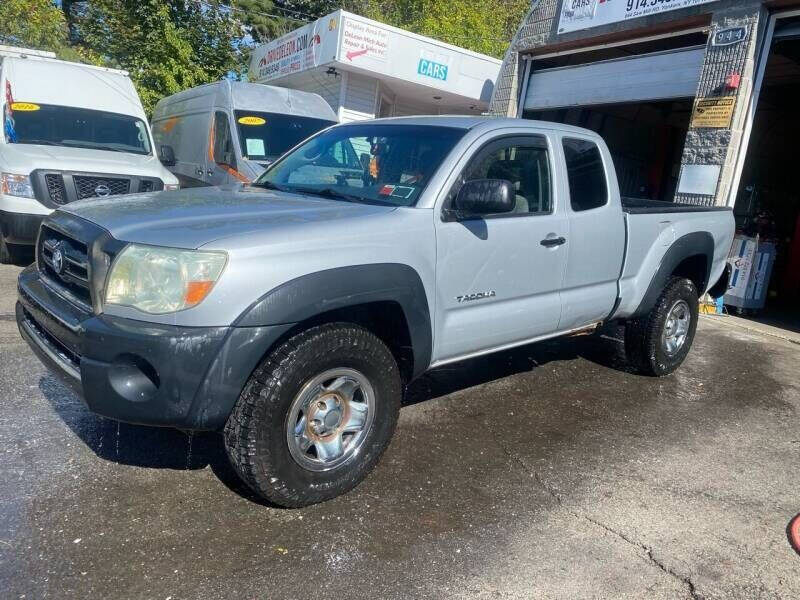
[
  {"x": 468, "y": 122},
  {"x": 63, "y": 83}
]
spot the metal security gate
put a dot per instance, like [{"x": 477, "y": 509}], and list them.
[{"x": 647, "y": 77}]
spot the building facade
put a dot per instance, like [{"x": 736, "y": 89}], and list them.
[
  {"x": 367, "y": 69},
  {"x": 699, "y": 60}
]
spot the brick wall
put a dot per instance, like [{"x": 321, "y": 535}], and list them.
[{"x": 720, "y": 146}]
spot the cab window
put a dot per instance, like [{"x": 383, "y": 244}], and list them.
[
  {"x": 525, "y": 163},
  {"x": 586, "y": 174}
]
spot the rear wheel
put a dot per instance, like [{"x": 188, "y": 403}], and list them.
[
  {"x": 657, "y": 343},
  {"x": 315, "y": 416}
]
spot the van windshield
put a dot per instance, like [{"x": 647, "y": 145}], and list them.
[
  {"x": 265, "y": 136},
  {"x": 51, "y": 125},
  {"x": 388, "y": 165}
]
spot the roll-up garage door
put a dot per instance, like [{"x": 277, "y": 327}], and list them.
[{"x": 658, "y": 76}]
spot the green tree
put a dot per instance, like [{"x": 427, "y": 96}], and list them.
[
  {"x": 485, "y": 27},
  {"x": 166, "y": 45},
  {"x": 37, "y": 24},
  {"x": 262, "y": 20}
]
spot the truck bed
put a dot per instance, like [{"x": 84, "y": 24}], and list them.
[{"x": 645, "y": 206}]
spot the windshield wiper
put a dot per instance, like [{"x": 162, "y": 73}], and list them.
[
  {"x": 268, "y": 185},
  {"x": 328, "y": 193},
  {"x": 39, "y": 142},
  {"x": 90, "y": 146}
]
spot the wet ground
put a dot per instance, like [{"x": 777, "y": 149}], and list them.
[{"x": 545, "y": 472}]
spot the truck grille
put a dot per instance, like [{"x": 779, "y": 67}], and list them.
[
  {"x": 55, "y": 187},
  {"x": 91, "y": 187},
  {"x": 65, "y": 263}
]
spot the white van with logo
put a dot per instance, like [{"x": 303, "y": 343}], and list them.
[
  {"x": 69, "y": 131},
  {"x": 229, "y": 131}
]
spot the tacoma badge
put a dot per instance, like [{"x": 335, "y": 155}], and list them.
[{"x": 476, "y": 296}]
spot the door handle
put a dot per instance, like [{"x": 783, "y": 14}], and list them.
[{"x": 552, "y": 242}]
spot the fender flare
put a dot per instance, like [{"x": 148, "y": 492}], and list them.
[
  {"x": 342, "y": 287},
  {"x": 697, "y": 243}
]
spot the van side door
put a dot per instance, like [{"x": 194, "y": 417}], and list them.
[
  {"x": 596, "y": 233},
  {"x": 499, "y": 276},
  {"x": 188, "y": 135}
]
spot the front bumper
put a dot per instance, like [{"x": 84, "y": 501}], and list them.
[
  {"x": 20, "y": 228},
  {"x": 138, "y": 372}
]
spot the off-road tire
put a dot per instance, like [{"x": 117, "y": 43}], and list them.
[
  {"x": 255, "y": 433},
  {"x": 643, "y": 336}
]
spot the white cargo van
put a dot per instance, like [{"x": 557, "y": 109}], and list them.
[
  {"x": 230, "y": 131},
  {"x": 69, "y": 131}
]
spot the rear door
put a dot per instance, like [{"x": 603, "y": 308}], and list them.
[
  {"x": 497, "y": 284},
  {"x": 596, "y": 233}
]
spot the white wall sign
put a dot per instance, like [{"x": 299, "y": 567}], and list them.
[
  {"x": 344, "y": 40},
  {"x": 304, "y": 48},
  {"x": 699, "y": 179},
  {"x": 583, "y": 14},
  {"x": 362, "y": 40}
]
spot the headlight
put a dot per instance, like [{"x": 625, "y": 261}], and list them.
[
  {"x": 162, "y": 280},
  {"x": 16, "y": 185},
  {"x": 168, "y": 187}
]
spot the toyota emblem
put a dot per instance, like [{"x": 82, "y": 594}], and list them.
[
  {"x": 58, "y": 260},
  {"x": 102, "y": 190}
]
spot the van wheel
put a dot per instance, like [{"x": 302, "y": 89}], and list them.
[
  {"x": 657, "y": 343},
  {"x": 315, "y": 416}
]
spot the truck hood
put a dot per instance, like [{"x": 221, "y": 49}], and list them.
[
  {"x": 193, "y": 217},
  {"x": 24, "y": 158}
]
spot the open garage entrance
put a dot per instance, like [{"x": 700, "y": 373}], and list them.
[
  {"x": 767, "y": 206},
  {"x": 637, "y": 96},
  {"x": 645, "y": 139}
]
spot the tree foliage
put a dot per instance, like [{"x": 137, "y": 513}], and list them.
[
  {"x": 166, "y": 45},
  {"x": 486, "y": 27},
  {"x": 36, "y": 24}
]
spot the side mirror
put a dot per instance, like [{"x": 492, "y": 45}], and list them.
[
  {"x": 485, "y": 197},
  {"x": 167, "y": 156}
]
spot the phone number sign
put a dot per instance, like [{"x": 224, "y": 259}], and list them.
[{"x": 583, "y": 14}]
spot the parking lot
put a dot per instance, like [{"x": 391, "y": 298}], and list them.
[{"x": 547, "y": 471}]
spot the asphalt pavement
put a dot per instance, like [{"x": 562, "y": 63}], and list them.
[{"x": 544, "y": 472}]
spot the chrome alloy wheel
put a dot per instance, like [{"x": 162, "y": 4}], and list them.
[
  {"x": 676, "y": 327},
  {"x": 330, "y": 418}
]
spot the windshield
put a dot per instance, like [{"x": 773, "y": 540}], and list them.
[
  {"x": 265, "y": 136},
  {"x": 373, "y": 164},
  {"x": 53, "y": 125}
]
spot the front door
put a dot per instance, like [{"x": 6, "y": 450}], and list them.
[
  {"x": 499, "y": 276},
  {"x": 222, "y": 166}
]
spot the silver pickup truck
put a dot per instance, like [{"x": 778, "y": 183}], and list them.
[{"x": 292, "y": 312}]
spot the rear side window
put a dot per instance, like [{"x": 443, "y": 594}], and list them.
[{"x": 587, "y": 177}]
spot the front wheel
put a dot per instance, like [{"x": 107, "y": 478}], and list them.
[
  {"x": 315, "y": 416},
  {"x": 658, "y": 342}
]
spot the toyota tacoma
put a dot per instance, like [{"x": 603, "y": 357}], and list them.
[{"x": 291, "y": 313}]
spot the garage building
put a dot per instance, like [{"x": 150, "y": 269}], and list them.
[{"x": 699, "y": 101}]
